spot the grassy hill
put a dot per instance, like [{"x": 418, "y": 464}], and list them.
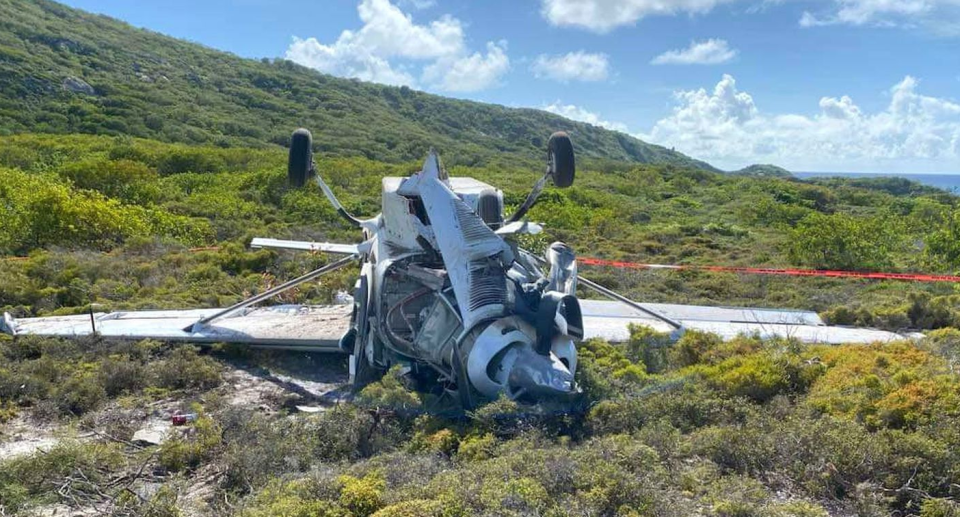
[{"x": 66, "y": 71}]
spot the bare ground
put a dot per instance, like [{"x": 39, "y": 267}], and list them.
[{"x": 269, "y": 384}]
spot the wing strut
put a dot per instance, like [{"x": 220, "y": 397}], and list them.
[
  {"x": 620, "y": 298},
  {"x": 333, "y": 266}
]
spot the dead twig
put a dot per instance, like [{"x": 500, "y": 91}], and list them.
[{"x": 118, "y": 440}]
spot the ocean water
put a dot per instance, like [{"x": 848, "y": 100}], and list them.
[{"x": 948, "y": 182}]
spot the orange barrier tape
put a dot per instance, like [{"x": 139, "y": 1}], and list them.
[
  {"x": 591, "y": 261},
  {"x": 912, "y": 277}
]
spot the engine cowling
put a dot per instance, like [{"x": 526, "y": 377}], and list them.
[{"x": 501, "y": 357}]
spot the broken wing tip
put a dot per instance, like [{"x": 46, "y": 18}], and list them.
[{"x": 8, "y": 325}]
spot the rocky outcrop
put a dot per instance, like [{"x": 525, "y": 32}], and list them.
[{"x": 77, "y": 85}]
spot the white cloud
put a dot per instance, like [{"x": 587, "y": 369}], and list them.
[
  {"x": 346, "y": 61},
  {"x": 388, "y": 45},
  {"x": 708, "y": 52},
  {"x": 915, "y": 133},
  {"x": 419, "y": 4},
  {"x": 573, "y": 66},
  {"x": 605, "y": 15},
  {"x": 573, "y": 112},
  {"x": 939, "y": 15},
  {"x": 470, "y": 73}
]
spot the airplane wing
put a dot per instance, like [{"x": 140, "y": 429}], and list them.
[
  {"x": 319, "y": 328},
  {"x": 610, "y": 320},
  {"x": 329, "y": 247},
  {"x": 284, "y": 327}
]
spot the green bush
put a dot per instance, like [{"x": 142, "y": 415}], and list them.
[
  {"x": 296, "y": 498},
  {"x": 893, "y": 385},
  {"x": 40, "y": 212},
  {"x": 120, "y": 374},
  {"x": 190, "y": 160},
  {"x": 129, "y": 181},
  {"x": 649, "y": 349},
  {"x": 604, "y": 369},
  {"x": 760, "y": 376},
  {"x": 362, "y": 496},
  {"x": 415, "y": 508},
  {"x": 939, "y": 508},
  {"x": 187, "y": 452},
  {"x": 945, "y": 343},
  {"x": 390, "y": 393},
  {"x": 184, "y": 368},
  {"x": 693, "y": 347},
  {"x": 476, "y": 448},
  {"x": 257, "y": 448},
  {"x": 81, "y": 393},
  {"x": 841, "y": 241},
  {"x": 933, "y": 312}
]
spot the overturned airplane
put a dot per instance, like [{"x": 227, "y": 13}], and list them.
[{"x": 446, "y": 290}]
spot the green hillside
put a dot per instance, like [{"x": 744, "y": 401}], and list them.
[{"x": 65, "y": 71}]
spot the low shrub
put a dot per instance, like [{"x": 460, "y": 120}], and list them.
[
  {"x": 362, "y": 496},
  {"x": 939, "y": 507},
  {"x": 81, "y": 393},
  {"x": 648, "y": 348},
  {"x": 885, "y": 385},
  {"x": 477, "y": 447},
  {"x": 184, "y": 368},
  {"x": 605, "y": 371},
  {"x": 443, "y": 441},
  {"x": 760, "y": 376},
  {"x": 693, "y": 347},
  {"x": 119, "y": 375},
  {"x": 414, "y": 508},
  {"x": 390, "y": 393},
  {"x": 294, "y": 498},
  {"x": 191, "y": 448}
]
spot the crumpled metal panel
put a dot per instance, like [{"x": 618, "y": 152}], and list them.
[{"x": 467, "y": 245}]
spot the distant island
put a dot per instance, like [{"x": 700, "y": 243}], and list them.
[{"x": 765, "y": 170}]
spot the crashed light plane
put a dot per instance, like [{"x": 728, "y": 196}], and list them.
[{"x": 445, "y": 289}]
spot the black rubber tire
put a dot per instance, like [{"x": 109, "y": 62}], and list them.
[
  {"x": 300, "y": 163},
  {"x": 564, "y": 164},
  {"x": 490, "y": 209}
]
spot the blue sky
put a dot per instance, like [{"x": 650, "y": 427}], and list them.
[{"x": 820, "y": 85}]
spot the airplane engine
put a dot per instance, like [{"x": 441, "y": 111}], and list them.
[
  {"x": 501, "y": 357},
  {"x": 528, "y": 352}
]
